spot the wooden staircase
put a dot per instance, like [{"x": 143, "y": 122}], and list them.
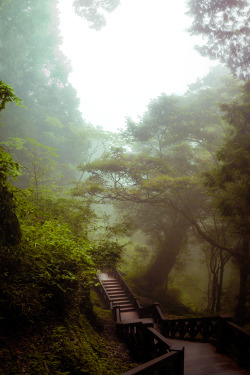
[
  {"x": 118, "y": 295},
  {"x": 152, "y": 337}
]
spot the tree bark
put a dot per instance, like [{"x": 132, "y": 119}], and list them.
[
  {"x": 244, "y": 273},
  {"x": 165, "y": 260}
]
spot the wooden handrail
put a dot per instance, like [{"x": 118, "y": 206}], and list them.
[
  {"x": 162, "y": 365},
  {"x": 116, "y": 314},
  {"x": 134, "y": 300},
  {"x": 148, "y": 343},
  {"x": 152, "y": 311},
  {"x": 158, "y": 336},
  {"x": 235, "y": 342},
  {"x": 228, "y": 337},
  {"x": 104, "y": 295}
]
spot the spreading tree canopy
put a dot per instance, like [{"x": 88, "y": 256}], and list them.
[
  {"x": 93, "y": 11},
  {"x": 225, "y": 28}
]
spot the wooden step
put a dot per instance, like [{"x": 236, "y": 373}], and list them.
[
  {"x": 109, "y": 287},
  {"x": 110, "y": 281},
  {"x": 111, "y": 284},
  {"x": 123, "y": 304},
  {"x": 114, "y": 288},
  {"x": 126, "y": 309},
  {"x": 116, "y": 292},
  {"x": 115, "y": 299}
]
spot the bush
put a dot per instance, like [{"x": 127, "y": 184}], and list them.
[{"x": 47, "y": 273}]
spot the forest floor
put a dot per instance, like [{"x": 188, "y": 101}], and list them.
[{"x": 117, "y": 348}]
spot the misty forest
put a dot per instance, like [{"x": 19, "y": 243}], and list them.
[{"x": 165, "y": 200}]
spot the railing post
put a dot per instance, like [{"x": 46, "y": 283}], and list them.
[
  {"x": 116, "y": 314},
  {"x": 137, "y": 305},
  {"x": 221, "y": 333},
  {"x": 180, "y": 363}
]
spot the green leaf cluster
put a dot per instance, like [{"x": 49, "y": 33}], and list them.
[{"x": 7, "y": 95}]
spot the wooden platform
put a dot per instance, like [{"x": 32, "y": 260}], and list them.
[{"x": 202, "y": 359}]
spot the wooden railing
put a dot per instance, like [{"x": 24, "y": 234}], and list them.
[
  {"x": 169, "y": 363},
  {"x": 193, "y": 329},
  {"x": 134, "y": 335},
  {"x": 104, "y": 295},
  {"x": 133, "y": 299},
  {"x": 235, "y": 342},
  {"x": 228, "y": 337},
  {"x": 152, "y": 311},
  {"x": 150, "y": 346}
]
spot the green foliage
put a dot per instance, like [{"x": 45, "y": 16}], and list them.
[
  {"x": 9, "y": 226},
  {"x": 225, "y": 27},
  {"x": 32, "y": 62},
  {"x": 229, "y": 182},
  {"x": 38, "y": 161},
  {"x": 46, "y": 273},
  {"x": 229, "y": 186},
  {"x": 93, "y": 11},
  {"x": 106, "y": 254},
  {"x": 8, "y": 167},
  {"x": 170, "y": 299},
  {"x": 45, "y": 282},
  {"x": 159, "y": 176},
  {"x": 75, "y": 213},
  {"x": 70, "y": 347},
  {"x": 7, "y": 95}
]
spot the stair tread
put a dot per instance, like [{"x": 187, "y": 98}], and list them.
[
  {"x": 117, "y": 292},
  {"x": 113, "y": 286},
  {"x": 123, "y": 303},
  {"x": 118, "y": 295},
  {"x": 120, "y": 299}
]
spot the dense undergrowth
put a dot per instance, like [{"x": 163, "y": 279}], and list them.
[
  {"x": 48, "y": 322},
  {"x": 71, "y": 346}
]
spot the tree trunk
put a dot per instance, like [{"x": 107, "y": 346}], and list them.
[
  {"x": 244, "y": 273},
  {"x": 159, "y": 271},
  {"x": 220, "y": 285},
  {"x": 166, "y": 258}
]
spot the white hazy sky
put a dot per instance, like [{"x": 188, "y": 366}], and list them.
[{"x": 142, "y": 52}]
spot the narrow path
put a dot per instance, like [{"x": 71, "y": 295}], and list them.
[{"x": 202, "y": 359}]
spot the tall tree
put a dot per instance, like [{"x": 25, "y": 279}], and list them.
[
  {"x": 166, "y": 234},
  {"x": 225, "y": 27},
  {"x": 162, "y": 168},
  {"x": 94, "y": 11},
  {"x": 32, "y": 62},
  {"x": 230, "y": 186},
  {"x": 10, "y": 232}
]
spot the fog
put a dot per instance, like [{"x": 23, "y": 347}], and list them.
[
  {"x": 122, "y": 147},
  {"x": 143, "y": 51}
]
